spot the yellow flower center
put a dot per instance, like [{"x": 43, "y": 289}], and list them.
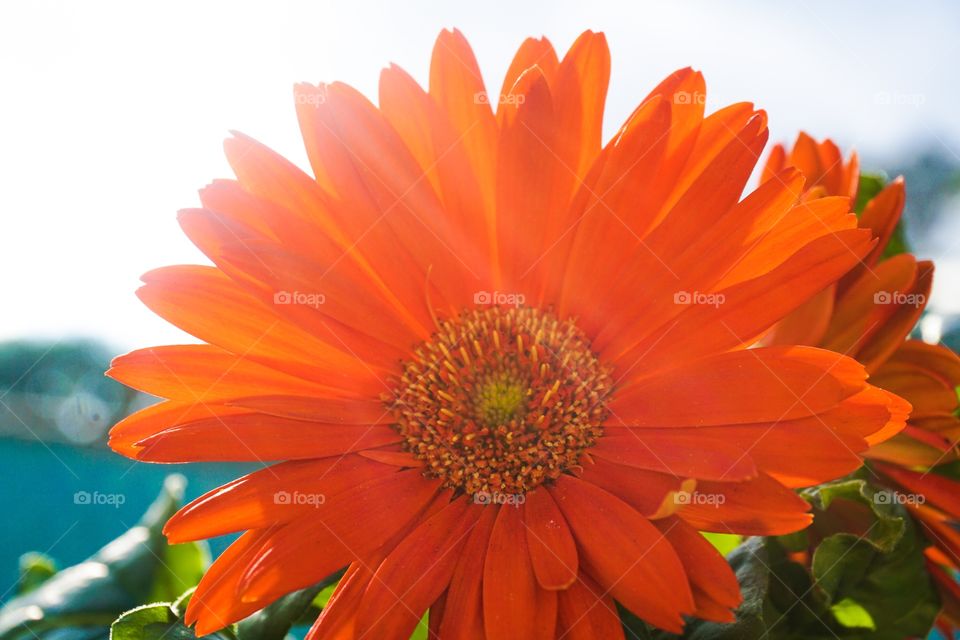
[{"x": 501, "y": 400}]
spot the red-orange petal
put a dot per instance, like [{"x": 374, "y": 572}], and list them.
[
  {"x": 552, "y": 549},
  {"x": 626, "y": 554}
]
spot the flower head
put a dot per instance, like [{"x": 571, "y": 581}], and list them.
[
  {"x": 508, "y": 371},
  {"x": 869, "y": 315}
]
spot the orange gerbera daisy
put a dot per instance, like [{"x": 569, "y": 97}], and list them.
[
  {"x": 868, "y": 315},
  {"x": 505, "y": 367}
]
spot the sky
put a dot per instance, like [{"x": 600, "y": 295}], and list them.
[{"x": 113, "y": 113}]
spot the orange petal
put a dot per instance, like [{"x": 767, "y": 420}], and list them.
[
  {"x": 716, "y": 591},
  {"x": 457, "y": 86},
  {"x": 754, "y": 385},
  {"x": 586, "y": 612},
  {"x": 204, "y": 373},
  {"x": 215, "y": 605},
  {"x": 464, "y": 605},
  {"x": 641, "y": 489},
  {"x": 626, "y": 554},
  {"x": 257, "y": 437},
  {"x": 125, "y": 435},
  {"x": 395, "y": 600},
  {"x": 552, "y": 550},
  {"x": 580, "y": 89},
  {"x": 509, "y": 584},
  {"x": 677, "y": 452},
  {"x": 939, "y": 490},
  {"x": 758, "y": 507},
  {"x": 275, "y": 495},
  {"x": 284, "y": 564},
  {"x": 205, "y": 303}
]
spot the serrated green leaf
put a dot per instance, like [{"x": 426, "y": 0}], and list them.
[{"x": 889, "y": 518}]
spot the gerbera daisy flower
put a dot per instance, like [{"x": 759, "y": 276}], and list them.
[
  {"x": 505, "y": 369},
  {"x": 869, "y": 315}
]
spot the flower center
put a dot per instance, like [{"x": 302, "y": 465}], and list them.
[{"x": 501, "y": 400}]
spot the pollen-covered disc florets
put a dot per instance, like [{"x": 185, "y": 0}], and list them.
[{"x": 501, "y": 400}]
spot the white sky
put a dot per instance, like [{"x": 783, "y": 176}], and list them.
[{"x": 112, "y": 113}]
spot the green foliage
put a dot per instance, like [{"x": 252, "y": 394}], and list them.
[
  {"x": 866, "y": 579},
  {"x": 300, "y": 607},
  {"x": 160, "y": 621},
  {"x": 723, "y": 542},
  {"x": 35, "y": 569},
  {"x": 80, "y": 602}
]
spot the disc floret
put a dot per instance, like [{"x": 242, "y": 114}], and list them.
[{"x": 501, "y": 400}]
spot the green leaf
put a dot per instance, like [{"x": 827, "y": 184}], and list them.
[
  {"x": 422, "y": 632},
  {"x": 888, "y": 519},
  {"x": 870, "y": 185},
  {"x": 723, "y": 542},
  {"x": 84, "y": 599},
  {"x": 158, "y": 621},
  {"x": 866, "y": 579},
  {"x": 850, "y": 613},
  {"x": 182, "y": 567},
  {"x": 35, "y": 569}
]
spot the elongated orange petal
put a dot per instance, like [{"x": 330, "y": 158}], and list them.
[
  {"x": 626, "y": 554},
  {"x": 552, "y": 550},
  {"x": 509, "y": 584}
]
